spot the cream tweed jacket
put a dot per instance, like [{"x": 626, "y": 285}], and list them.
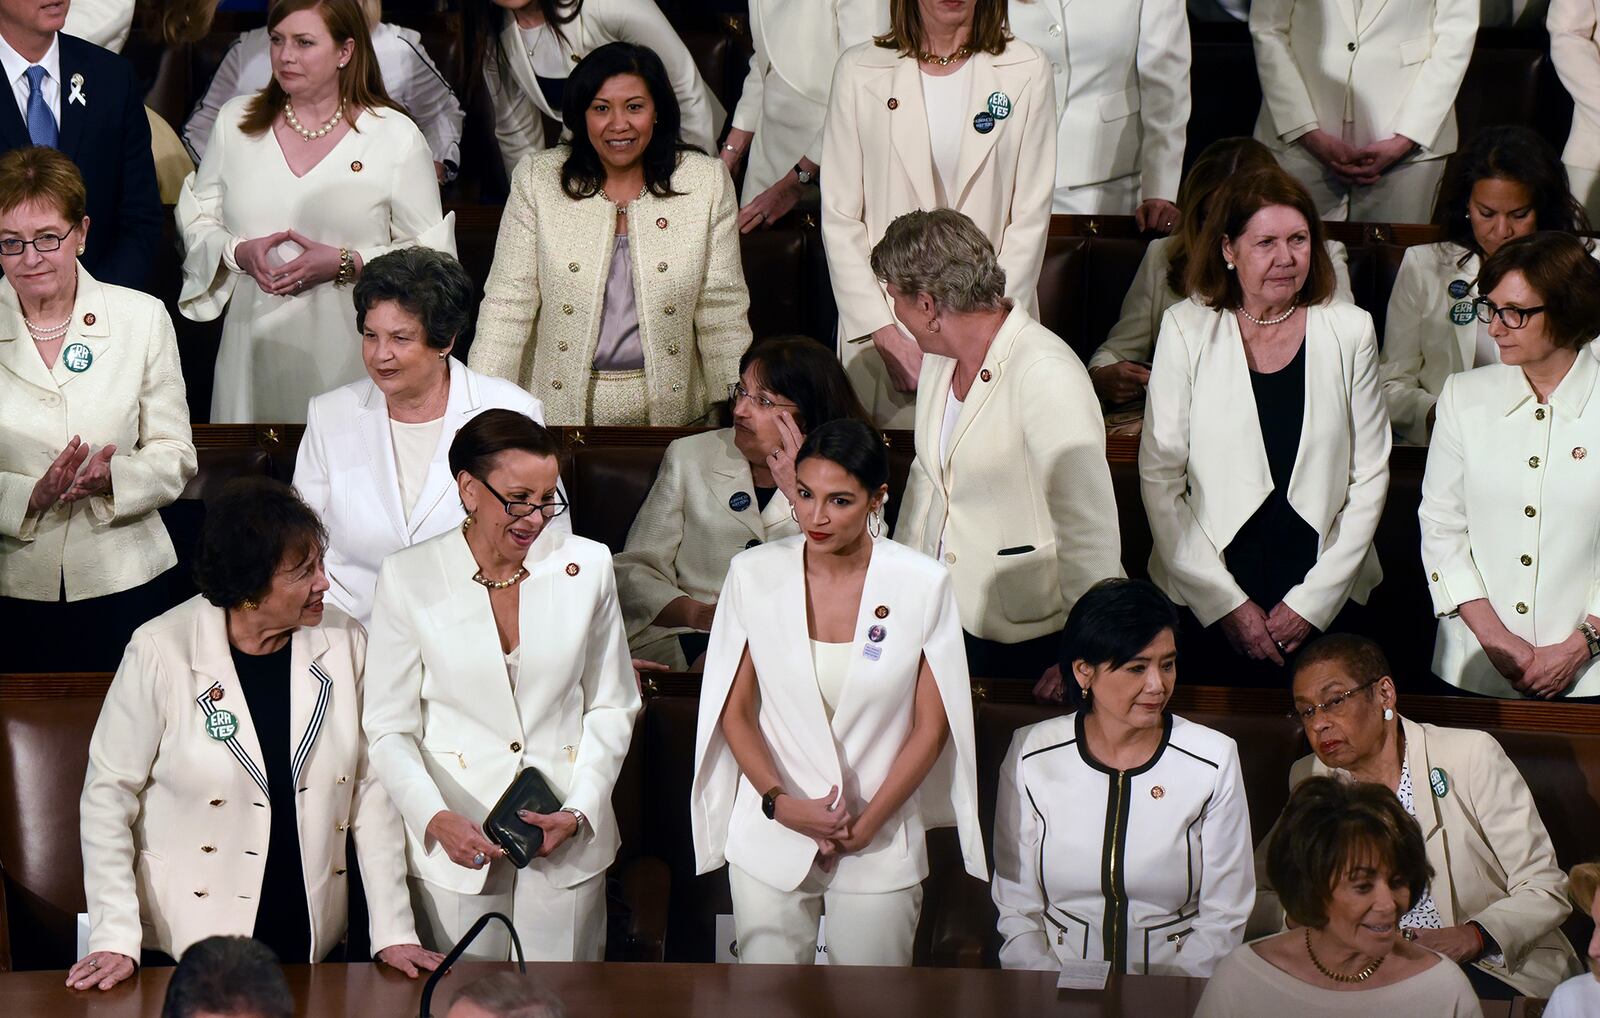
[{"x": 540, "y": 318}]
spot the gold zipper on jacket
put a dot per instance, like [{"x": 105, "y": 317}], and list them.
[{"x": 1118, "y": 935}]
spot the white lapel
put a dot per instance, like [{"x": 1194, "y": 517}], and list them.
[
  {"x": 213, "y": 669},
  {"x": 18, "y": 355},
  {"x": 542, "y": 619},
  {"x": 1347, "y": 8},
  {"x": 1226, "y": 421},
  {"x": 990, "y": 74},
  {"x": 90, "y": 326},
  {"x": 372, "y": 421},
  {"x": 802, "y": 708},
  {"x": 994, "y": 366},
  {"x": 462, "y": 403},
  {"x": 310, "y": 692},
  {"x": 880, "y": 589},
  {"x": 522, "y": 66},
  {"x": 888, "y": 78},
  {"x": 478, "y": 664},
  {"x": 1466, "y": 335},
  {"x": 1370, "y": 9},
  {"x": 728, "y": 479},
  {"x": 1326, "y": 400},
  {"x": 1426, "y": 804}
]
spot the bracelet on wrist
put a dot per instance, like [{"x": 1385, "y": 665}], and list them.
[{"x": 347, "y": 268}]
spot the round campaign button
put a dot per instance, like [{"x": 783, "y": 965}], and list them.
[
  {"x": 739, "y": 501},
  {"x": 221, "y": 725},
  {"x": 999, "y": 105},
  {"x": 983, "y": 123},
  {"x": 1462, "y": 312},
  {"x": 1459, "y": 288},
  {"x": 77, "y": 358},
  {"x": 877, "y": 633},
  {"x": 1439, "y": 782}
]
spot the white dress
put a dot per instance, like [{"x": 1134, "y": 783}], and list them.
[{"x": 373, "y": 193}]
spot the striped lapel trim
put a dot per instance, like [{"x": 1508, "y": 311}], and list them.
[
  {"x": 324, "y": 691},
  {"x": 203, "y": 701}
]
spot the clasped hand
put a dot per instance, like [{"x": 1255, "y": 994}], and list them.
[
  {"x": 317, "y": 263},
  {"x": 72, "y": 476},
  {"x": 827, "y": 821},
  {"x": 1357, "y": 165}
]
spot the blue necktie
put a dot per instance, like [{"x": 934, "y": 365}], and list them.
[{"x": 41, "y": 123}]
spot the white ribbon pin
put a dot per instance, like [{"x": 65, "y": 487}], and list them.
[{"x": 77, "y": 95}]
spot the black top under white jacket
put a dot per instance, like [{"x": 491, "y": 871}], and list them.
[{"x": 1148, "y": 868}]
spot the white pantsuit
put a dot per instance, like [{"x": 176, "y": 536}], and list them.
[
  {"x": 345, "y": 470},
  {"x": 1575, "y": 52},
  {"x": 908, "y": 605},
  {"x": 1508, "y": 514},
  {"x": 880, "y": 165},
  {"x": 1121, "y": 74},
  {"x": 175, "y": 823},
  {"x": 449, "y": 731},
  {"x": 1363, "y": 71},
  {"x": 1203, "y": 467},
  {"x": 687, "y": 532},
  {"x": 1423, "y": 343}
]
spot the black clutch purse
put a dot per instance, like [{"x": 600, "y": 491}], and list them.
[{"x": 502, "y": 826}]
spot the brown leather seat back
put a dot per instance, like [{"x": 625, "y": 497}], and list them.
[
  {"x": 44, "y": 751},
  {"x": 1113, "y": 262},
  {"x": 1269, "y": 744},
  {"x": 1062, "y": 290},
  {"x": 1132, "y": 523},
  {"x": 606, "y": 485}
]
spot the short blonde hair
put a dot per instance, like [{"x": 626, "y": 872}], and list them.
[
  {"x": 941, "y": 253},
  {"x": 1582, "y": 885},
  {"x": 39, "y": 173}
]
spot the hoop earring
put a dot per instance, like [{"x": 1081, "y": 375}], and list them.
[
  {"x": 878, "y": 518},
  {"x": 792, "y": 514}
]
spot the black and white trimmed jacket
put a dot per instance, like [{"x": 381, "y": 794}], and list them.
[{"x": 1148, "y": 868}]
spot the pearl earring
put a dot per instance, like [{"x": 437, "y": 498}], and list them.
[
  {"x": 1388, "y": 715},
  {"x": 1229, "y": 265}
]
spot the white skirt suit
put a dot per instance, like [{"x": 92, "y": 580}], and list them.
[
  {"x": 1203, "y": 468},
  {"x": 375, "y": 192},
  {"x": 345, "y": 469},
  {"x": 687, "y": 532},
  {"x": 175, "y": 824},
  {"x": 784, "y": 100},
  {"x": 449, "y": 731},
  {"x": 1121, "y": 73},
  {"x": 1508, "y": 514},
  {"x": 131, "y": 394},
  {"x": 539, "y": 324},
  {"x": 873, "y": 897},
  {"x": 879, "y": 165},
  {"x": 1575, "y": 52},
  {"x": 519, "y": 104},
  {"x": 1363, "y": 70},
  {"x": 1149, "y": 869}
]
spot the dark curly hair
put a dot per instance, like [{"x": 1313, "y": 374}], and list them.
[
  {"x": 430, "y": 285},
  {"x": 808, "y": 374},
  {"x": 582, "y": 175},
  {"x": 1516, "y": 154},
  {"x": 249, "y": 529}
]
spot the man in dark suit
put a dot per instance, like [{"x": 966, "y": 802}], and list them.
[{"x": 74, "y": 96}]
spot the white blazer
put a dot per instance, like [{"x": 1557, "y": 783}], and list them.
[
  {"x": 1121, "y": 75},
  {"x": 175, "y": 824},
  {"x": 1203, "y": 468},
  {"x": 763, "y": 608},
  {"x": 795, "y": 44},
  {"x": 880, "y": 165},
  {"x": 1508, "y": 513},
  {"x": 130, "y": 394},
  {"x": 1394, "y": 68},
  {"x": 1149, "y": 296},
  {"x": 692, "y": 524},
  {"x": 1021, "y": 500},
  {"x": 1576, "y": 55},
  {"x": 345, "y": 470},
  {"x": 450, "y": 732},
  {"x": 519, "y": 104},
  {"x": 1422, "y": 343}
]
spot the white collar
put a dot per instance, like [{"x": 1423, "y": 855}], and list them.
[{"x": 15, "y": 64}]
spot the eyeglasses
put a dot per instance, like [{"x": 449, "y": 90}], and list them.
[
  {"x": 736, "y": 392},
  {"x": 519, "y": 509},
  {"x": 44, "y": 243},
  {"x": 1334, "y": 707},
  {"x": 1511, "y": 318}
]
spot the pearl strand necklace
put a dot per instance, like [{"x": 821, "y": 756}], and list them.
[
  {"x": 1270, "y": 321},
  {"x": 46, "y": 334},
  {"x": 300, "y": 129}
]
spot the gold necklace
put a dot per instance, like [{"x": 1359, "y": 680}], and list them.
[
  {"x": 478, "y": 577},
  {"x": 962, "y": 52},
  {"x": 305, "y": 133},
  {"x": 1339, "y": 977}
]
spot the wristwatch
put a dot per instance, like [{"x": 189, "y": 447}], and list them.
[
  {"x": 801, "y": 174},
  {"x": 1591, "y": 636},
  {"x": 577, "y": 814},
  {"x": 769, "y": 802}
]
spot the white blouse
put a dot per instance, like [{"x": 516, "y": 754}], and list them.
[
  {"x": 945, "y": 96},
  {"x": 831, "y": 661},
  {"x": 414, "y": 445}
]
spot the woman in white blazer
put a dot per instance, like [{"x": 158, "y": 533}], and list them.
[
  {"x": 1165, "y": 885},
  {"x": 1510, "y": 536},
  {"x": 944, "y": 111},
  {"x": 1575, "y": 52},
  {"x": 302, "y": 184},
  {"x": 1010, "y": 485},
  {"x": 1120, "y": 368},
  {"x": 1359, "y": 98},
  {"x": 1264, "y": 459},
  {"x": 720, "y": 492},
  {"x": 526, "y": 50},
  {"x": 1121, "y": 74},
  {"x": 498, "y": 647},
  {"x": 778, "y": 122},
  {"x": 1507, "y": 183},
  {"x": 617, "y": 295},
  {"x": 383, "y": 443},
  {"x": 1497, "y": 899},
  {"x": 96, "y": 433},
  {"x": 835, "y": 723},
  {"x": 228, "y": 770}
]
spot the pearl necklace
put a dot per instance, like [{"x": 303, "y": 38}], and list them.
[
  {"x": 46, "y": 334},
  {"x": 1270, "y": 321},
  {"x": 300, "y": 129},
  {"x": 961, "y": 53},
  {"x": 1339, "y": 977},
  {"x": 478, "y": 577}
]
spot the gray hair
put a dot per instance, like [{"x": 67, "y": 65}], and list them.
[
  {"x": 429, "y": 284},
  {"x": 944, "y": 255},
  {"x": 512, "y": 995}
]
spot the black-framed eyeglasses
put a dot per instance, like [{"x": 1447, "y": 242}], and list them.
[
  {"x": 1333, "y": 707},
  {"x": 736, "y": 392},
  {"x": 1512, "y": 318},
  {"x": 520, "y": 509},
  {"x": 44, "y": 243}
]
